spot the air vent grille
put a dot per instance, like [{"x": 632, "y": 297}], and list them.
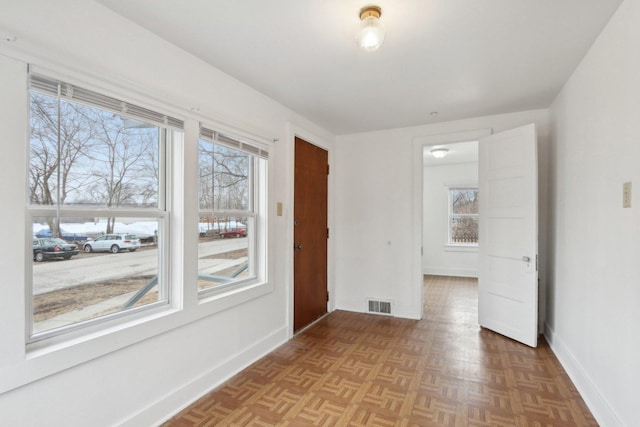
[{"x": 380, "y": 307}]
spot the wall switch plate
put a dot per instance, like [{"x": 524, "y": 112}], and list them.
[{"x": 626, "y": 195}]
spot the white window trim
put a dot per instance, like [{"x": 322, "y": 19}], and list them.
[
  {"x": 52, "y": 87},
  {"x": 257, "y": 211},
  {"x": 461, "y": 248}
]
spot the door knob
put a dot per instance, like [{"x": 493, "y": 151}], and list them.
[
  {"x": 297, "y": 247},
  {"x": 526, "y": 259}
]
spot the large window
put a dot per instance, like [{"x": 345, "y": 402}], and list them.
[
  {"x": 231, "y": 193},
  {"x": 463, "y": 216},
  {"x": 97, "y": 204}
]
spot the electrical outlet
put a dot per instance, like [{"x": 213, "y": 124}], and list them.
[{"x": 626, "y": 195}]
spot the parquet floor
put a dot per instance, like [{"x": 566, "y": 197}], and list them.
[{"x": 355, "y": 369}]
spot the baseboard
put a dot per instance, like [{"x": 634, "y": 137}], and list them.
[
  {"x": 172, "y": 403},
  {"x": 456, "y": 272},
  {"x": 595, "y": 400},
  {"x": 357, "y": 306},
  {"x": 408, "y": 311}
]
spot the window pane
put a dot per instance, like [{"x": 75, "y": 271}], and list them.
[
  {"x": 93, "y": 267},
  {"x": 82, "y": 155},
  {"x": 223, "y": 250},
  {"x": 464, "y": 201},
  {"x": 224, "y": 177},
  {"x": 463, "y": 216},
  {"x": 464, "y": 229}
]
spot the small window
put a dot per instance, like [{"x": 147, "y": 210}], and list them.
[
  {"x": 463, "y": 216},
  {"x": 231, "y": 206}
]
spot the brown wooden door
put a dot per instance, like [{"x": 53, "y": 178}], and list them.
[{"x": 310, "y": 233}]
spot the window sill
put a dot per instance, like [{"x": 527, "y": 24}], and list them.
[
  {"x": 230, "y": 297},
  {"x": 461, "y": 248}
]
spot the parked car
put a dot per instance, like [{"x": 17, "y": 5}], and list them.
[
  {"x": 52, "y": 247},
  {"x": 113, "y": 243},
  {"x": 69, "y": 237},
  {"x": 236, "y": 232}
]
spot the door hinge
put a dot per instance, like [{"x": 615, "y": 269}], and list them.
[
  {"x": 327, "y": 296},
  {"x": 327, "y": 232},
  {"x": 536, "y": 262},
  {"x": 328, "y": 169}
]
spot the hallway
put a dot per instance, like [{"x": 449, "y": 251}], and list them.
[{"x": 359, "y": 369}]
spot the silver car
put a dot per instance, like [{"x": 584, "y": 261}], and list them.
[{"x": 113, "y": 243}]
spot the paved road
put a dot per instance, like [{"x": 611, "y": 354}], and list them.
[{"x": 82, "y": 269}]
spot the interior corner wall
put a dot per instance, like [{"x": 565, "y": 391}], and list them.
[
  {"x": 439, "y": 258},
  {"x": 147, "y": 381},
  {"x": 594, "y": 274},
  {"x": 375, "y": 208}
]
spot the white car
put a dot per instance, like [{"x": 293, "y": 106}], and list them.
[{"x": 113, "y": 243}]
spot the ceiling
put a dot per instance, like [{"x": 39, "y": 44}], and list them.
[
  {"x": 459, "y": 152},
  {"x": 441, "y": 60}
]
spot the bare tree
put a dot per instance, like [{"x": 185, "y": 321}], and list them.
[
  {"x": 59, "y": 137},
  {"x": 231, "y": 173},
  {"x": 125, "y": 164},
  {"x": 83, "y": 155},
  {"x": 224, "y": 177}
]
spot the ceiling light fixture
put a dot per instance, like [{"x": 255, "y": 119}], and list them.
[
  {"x": 439, "y": 153},
  {"x": 371, "y": 33}
]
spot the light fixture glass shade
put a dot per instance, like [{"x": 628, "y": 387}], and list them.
[
  {"x": 371, "y": 32},
  {"x": 439, "y": 153}
]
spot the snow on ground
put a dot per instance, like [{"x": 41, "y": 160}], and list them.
[
  {"x": 142, "y": 229},
  {"x": 203, "y": 227}
]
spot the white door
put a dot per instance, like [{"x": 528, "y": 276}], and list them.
[{"x": 508, "y": 245}]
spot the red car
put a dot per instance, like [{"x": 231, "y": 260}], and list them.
[{"x": 236, "y": 232}]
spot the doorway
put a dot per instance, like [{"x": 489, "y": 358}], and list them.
[
  {"x": 450, "y": 210},
  {"x": 507, "y": 254},
  {"x": 310, "y": 233}
]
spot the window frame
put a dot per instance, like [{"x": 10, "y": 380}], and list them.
[
  {"x": 451, "y": 216},
  {"x": 43, "y": 85},
  {"x": 255, "y": 212}
]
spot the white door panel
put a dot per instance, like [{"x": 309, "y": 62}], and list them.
[
  {"x": 506, "y": 193},
  {"x": 508, "y": 247}
]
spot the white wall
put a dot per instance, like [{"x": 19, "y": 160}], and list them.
[
  {"x": 154, "y": 368},
  {"x": 439, "y": 258},
  {"x": 594, "y": 268},
  {"x": 594, "y": 291},
  {"x": 378, "y": 229}
]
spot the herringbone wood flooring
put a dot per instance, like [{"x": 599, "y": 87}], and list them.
[{"x": 354, "y": 369}]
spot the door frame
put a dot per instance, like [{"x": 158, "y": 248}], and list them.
[
  {"x": 294, "y": 131},
  {"x": 419, "y": 143}
]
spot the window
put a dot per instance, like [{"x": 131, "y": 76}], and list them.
[
  {"x": 463, "y": 216},
  {"x": 231, "y": 194},
  {"x": 97, "y": 205}
]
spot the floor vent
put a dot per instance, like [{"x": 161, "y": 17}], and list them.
[{"x": 380, "y": 307}]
